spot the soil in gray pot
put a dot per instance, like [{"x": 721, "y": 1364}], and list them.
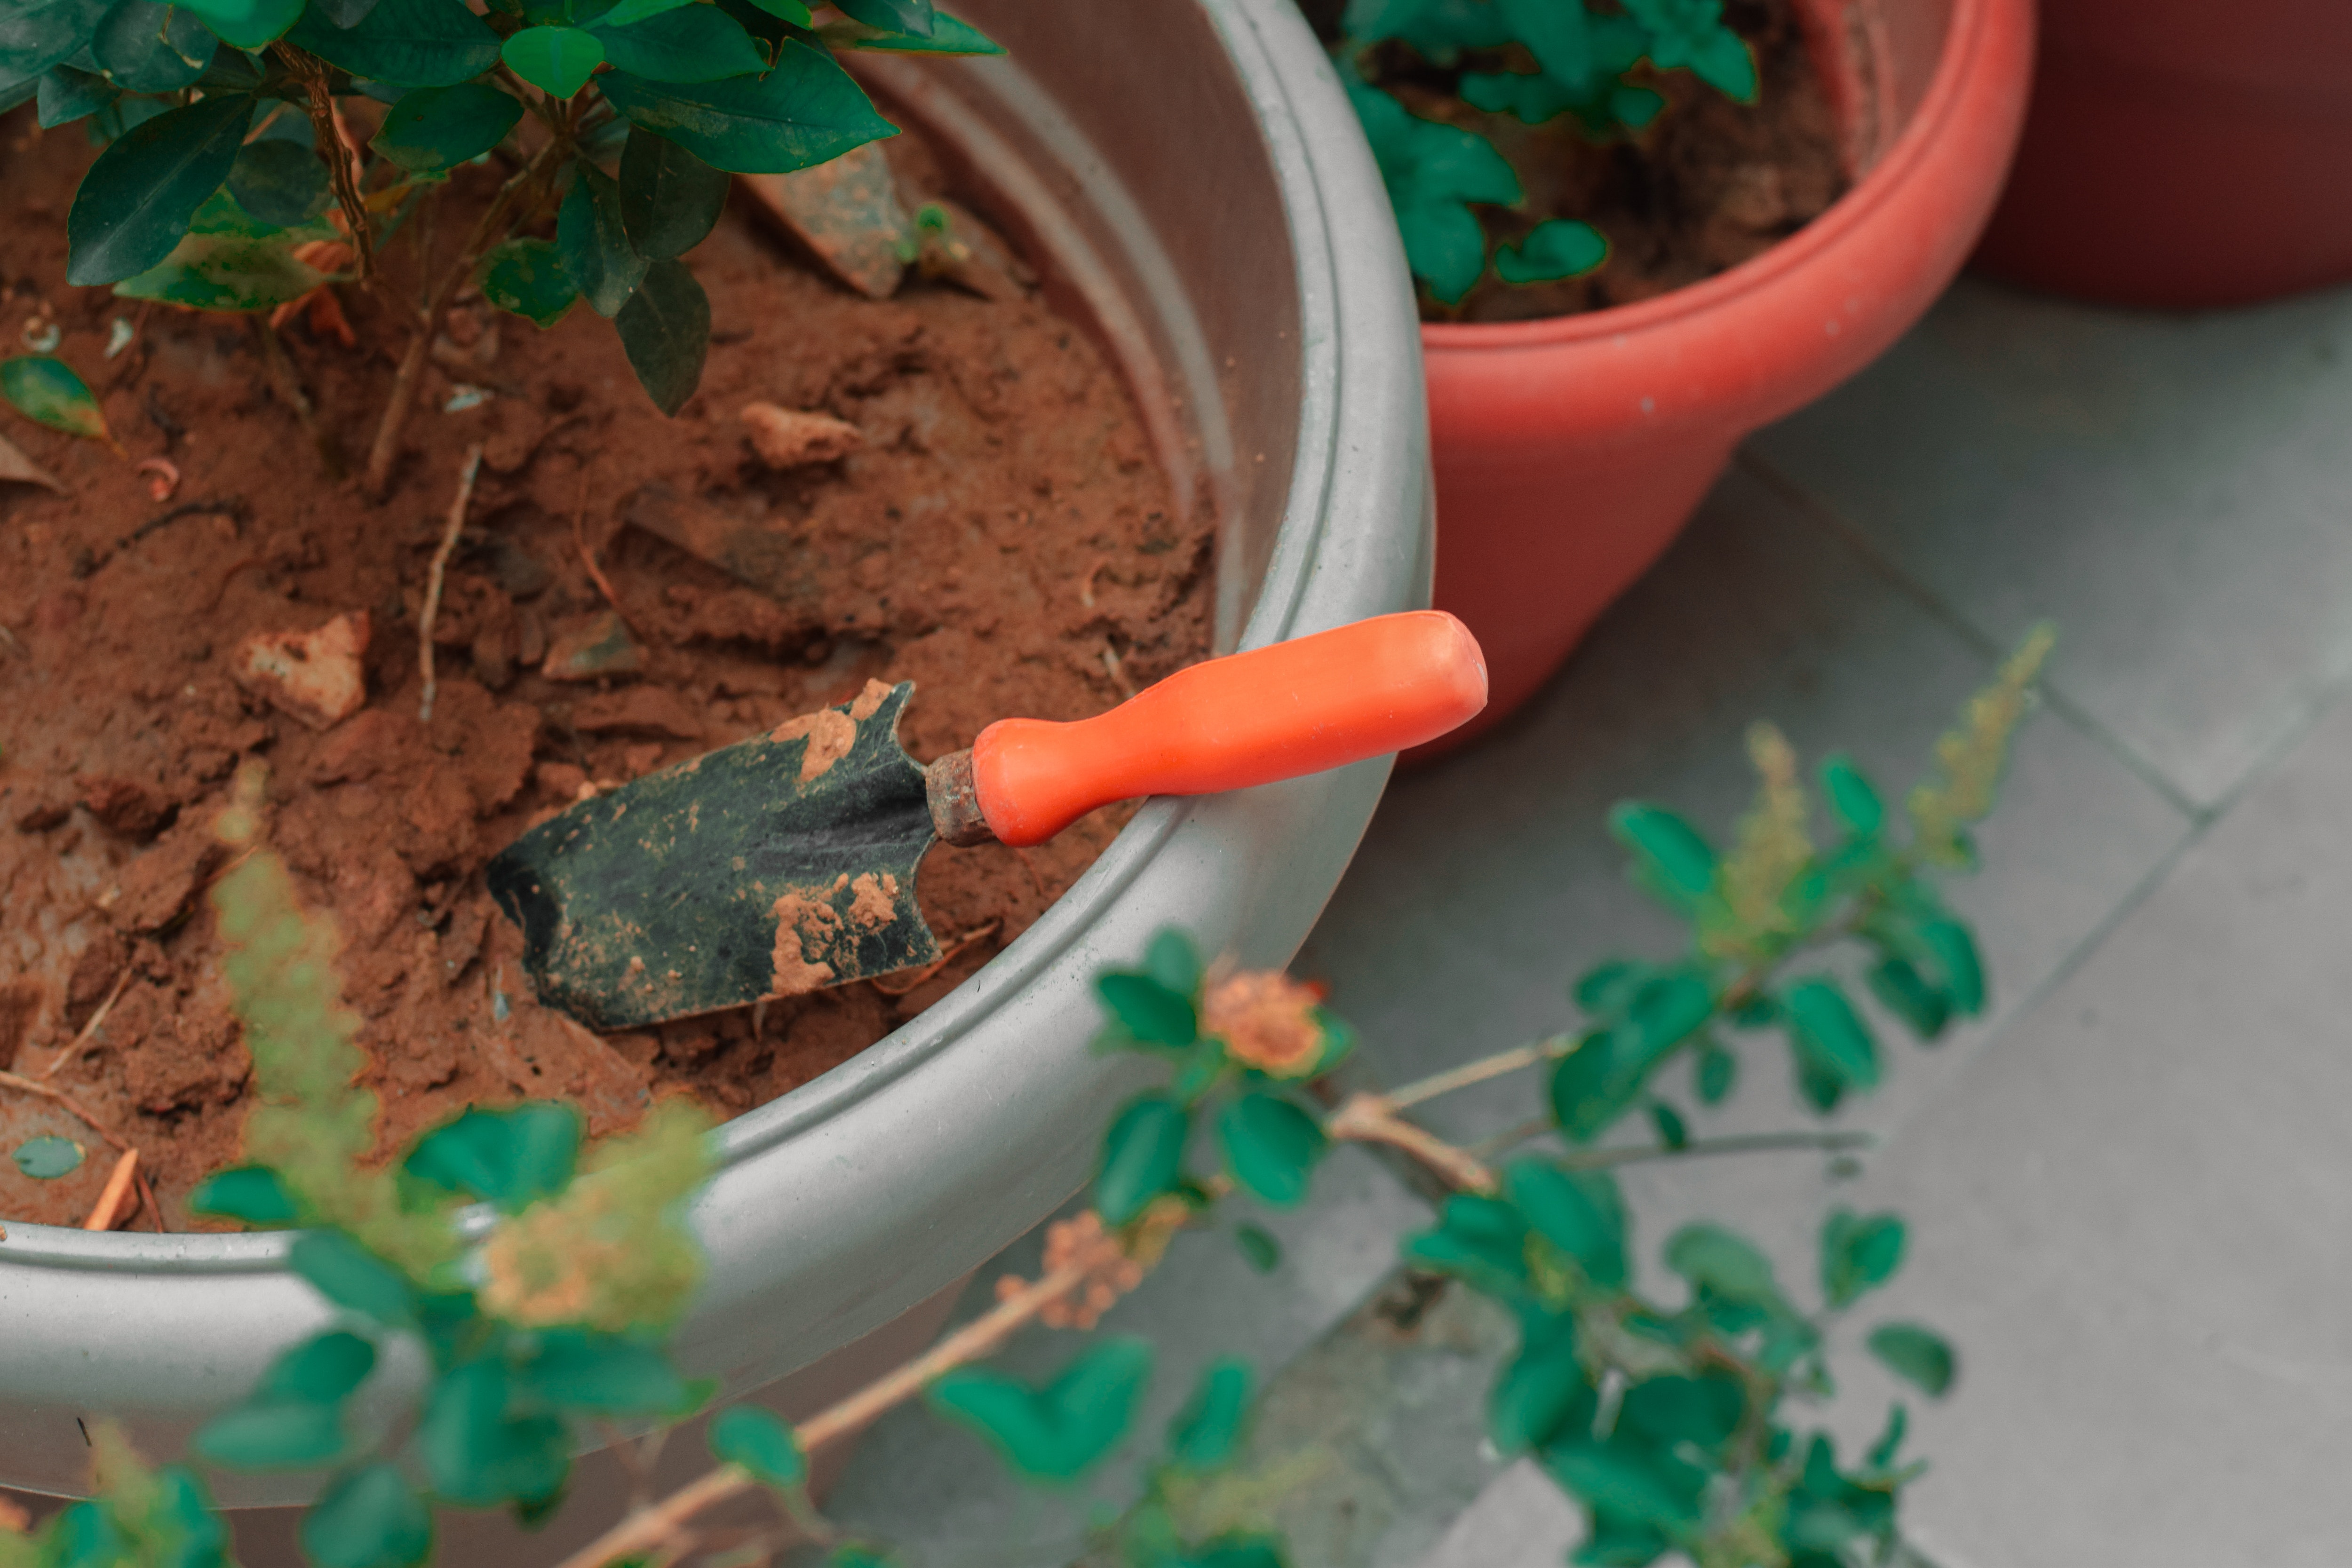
[{"x": 1001, "y": 536}]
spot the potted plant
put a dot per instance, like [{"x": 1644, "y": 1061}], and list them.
[
  {"x": 1166, "y": 455},
  {"x": 2170, "y": 163},
  {"x": 1643, "y": 229}
]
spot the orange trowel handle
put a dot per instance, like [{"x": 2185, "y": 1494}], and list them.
[{"x": 1297, "y": 708}]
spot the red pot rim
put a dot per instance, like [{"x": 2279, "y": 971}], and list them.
[{"x": 1963, "y": 41}]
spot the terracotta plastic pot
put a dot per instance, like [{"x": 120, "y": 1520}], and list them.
[
  {"x": 2180, "y": 156},
  {"x": 1568, "y": 451},
  {"x": 1139, "y": 157}
]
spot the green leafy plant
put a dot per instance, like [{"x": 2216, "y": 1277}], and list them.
[
  {"x": 228, "y": 181},
  {"x": 536, "y": 1288},
  {"x": 1597, "y": 62}
]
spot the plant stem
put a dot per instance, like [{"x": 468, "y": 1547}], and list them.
[
  {"x": 1748, "y": 1143},
  {"x": 647, "y": 1528},
  {"x": 1372, "y": 1119},
  {"x": 1478, "y": 1072},
  {"x": 493, "y": 222},
  {"x": 433, "y": 581},
  {"x": 328, "y": 138},
  {"x": 50, "y": 1092}
]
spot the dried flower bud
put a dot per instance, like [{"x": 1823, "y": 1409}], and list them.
[{"x": 1266, "y": 1021}]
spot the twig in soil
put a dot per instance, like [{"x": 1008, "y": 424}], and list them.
[
  {"x": 1118, "y": 671},
  {"x": 109, "y": 1202},
  {"x": 89, "y": 1029},
  {"x": 51, "y": 1091},
  {"x": 147, "y": 1196},
  {"x": 236, "y": 507},
  {"x": 288, "y": 387},
  {"x": 588, "y": 559},
  {"x": 8, "y": 641},
  {"x": 955, "y": 950},
  {"x": 433, "y": 582}
]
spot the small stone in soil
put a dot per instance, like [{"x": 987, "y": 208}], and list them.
[
  {"x": 788, "y": 438},
  {"x": 598, "y": 647},
  {"x": 316, "y": 676}
]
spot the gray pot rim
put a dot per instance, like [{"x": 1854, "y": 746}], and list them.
[{"x": 1282, "y": 610}]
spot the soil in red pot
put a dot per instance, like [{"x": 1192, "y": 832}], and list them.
[
  {"x": 1003, "y": 537},
  {"x": 1707, "y": 185}
]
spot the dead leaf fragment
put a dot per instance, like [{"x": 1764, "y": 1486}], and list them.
[{"x": 17, "y": 468}]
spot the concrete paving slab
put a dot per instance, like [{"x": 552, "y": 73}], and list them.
[
  {"x": 2171, "y": 490},
  {"x": 2130, "y": 1210},
  {"x": 1488, "y": 881}
]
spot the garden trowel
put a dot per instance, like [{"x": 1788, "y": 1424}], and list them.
[{"x": 786, "y": 863}]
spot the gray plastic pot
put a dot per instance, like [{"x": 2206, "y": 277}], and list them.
[{"x": 1200, "y": 186}]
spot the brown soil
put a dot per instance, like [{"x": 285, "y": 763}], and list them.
[
  {"x": 1003, "y": 538},
  {"x": 1709, "y": 184}
]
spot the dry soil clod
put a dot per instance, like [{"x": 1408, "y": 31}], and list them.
[
  {"x": 790, "y": 438},
  {"x": 316, "y": 676}
]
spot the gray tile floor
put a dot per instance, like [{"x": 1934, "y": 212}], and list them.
[{"x": 2130, "y": 1185}]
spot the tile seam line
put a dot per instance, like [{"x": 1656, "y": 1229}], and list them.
[{"x": 1827, "y": 519}]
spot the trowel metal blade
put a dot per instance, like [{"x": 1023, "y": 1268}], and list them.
[{"x": 765, "y": 869}]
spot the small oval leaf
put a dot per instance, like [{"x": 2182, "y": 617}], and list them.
[{"x": 46, "y": 391}]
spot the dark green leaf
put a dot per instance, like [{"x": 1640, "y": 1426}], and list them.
[
  {"x": 67, "y": 95},
  {"x": 186, "y": 1530},
  {"x": 1055, "y": 1432},
  {"x": 368, "y": 1518},
  {"x": 1431, "y": 171},
  {"x": 33, "y": 38},
  {"x": 1717, "y": 1071},
  {"x": 1906, "y": 994},
  {"x": 1955, "y": 952},
  {"x": 1173, "y": 961},
  {"x": 665, "y": 328},
  {"x": 1670, "y": 858},
  {"x": 1629, "y": 1480},
  {"x": 805, "y": 112},
  {"x": 251, "y": 1193},
  {"x": 512, "y": 1157},
  {"x": 410, "y": 43},
  {"x": 1725, "y": 62},
  {"x": 1143, "y": 1156},
  {"x": 1208, "y": 1429},
  {"x": 273, "y": 1435},
  {"x": 281, "y": 183},
  {"x": 1580, "y": 1212},
  {"x": 345, "y": 12},
  {"x": 1552, "y": 250},
  {"x": 135, "y": 202},
  {"x": 1858, "y": 1253},
  {"x": 1149, "y": 1011},
  {"x": 149, "y": 47},
  {"x": 1882, "y": 1452},
  {"x": 1606, "y": 987},
  {"x": 1544, "y": 1393},
  {"x": 351, "y": 1276},
  {"x": 248, "y": 24},
  {"x": 438, "y": 128},
  {"x": 319, "y": 1371},
  {"x": 891, "y": 15},
  {"x": 1704, "y": 1410},
  {"x": 1828, "y": 1034},
  {"x": 1259, "y": 1247},
  {"x": 556, "y": 61},
  {"x": 1560, "y": 37},
  {"x": 46, "y": 391},
  {"x": 1480, "y": 1240},
  {"x": 1667, "y": 1010},
  {"x": 605, "y": 1374},
  {"x": 628, "y": 11},
  {"x": 1714, "y": 1258},
  {"x": 747, "y": 1435},
  {"x": 691, "y": 44},
  {"x": 1915, "y": 1355},
  {"x": 950, "y": 35},
  {"x": 1271, "y": 1146},
  {"x": 1672, "y": 1132},
  {"x": 48, "y": 1158},
  {"x": 87, "y": 1537},
  {"x": 595, "y": 244},
  {"x": 478, "y": 1453},
  {"x": 669, "y": 198},
  {"x": 1854, "y": 800},
  {"x": 1614, "y": 1543},
  {"x": 526, "y": 277}
]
